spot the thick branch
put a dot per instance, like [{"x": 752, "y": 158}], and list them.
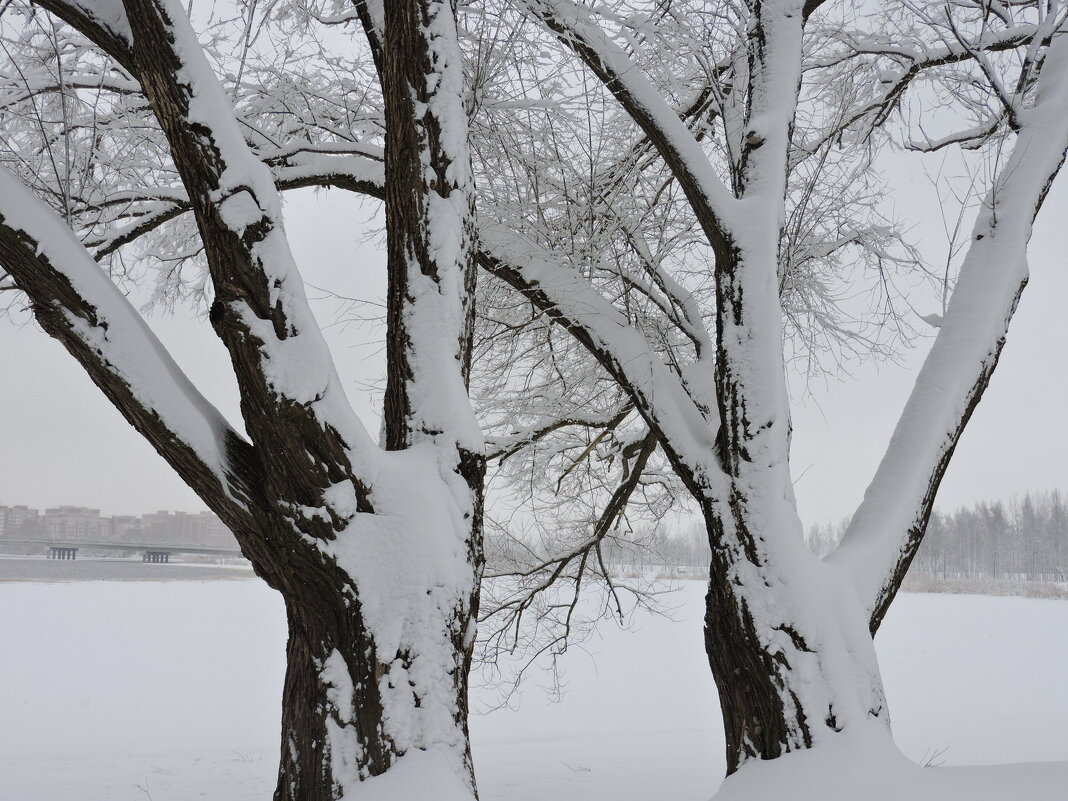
[
  {"x": 103, "y": 22},
  {"x": 79, "y": 306},
  {"x": 372, "y": 17},
  {"x": 429, "y": 230},
  {"x": 887, "y": 528}
]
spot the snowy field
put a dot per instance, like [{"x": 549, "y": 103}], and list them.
[{"x": 168, "y": 691}]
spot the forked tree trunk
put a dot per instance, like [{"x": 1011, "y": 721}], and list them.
[{"x": 793, "y": 665}]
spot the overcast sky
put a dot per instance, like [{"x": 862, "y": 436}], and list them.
[{"x": 63, "y": 443}]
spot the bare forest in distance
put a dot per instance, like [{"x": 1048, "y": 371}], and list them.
[{"x": 1022, "y": 539}]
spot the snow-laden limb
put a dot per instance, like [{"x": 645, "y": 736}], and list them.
[
  {"x": 751, "y": 372},
  {"x": 712, "y": 202},
  {"x": 358, "y": 174},
  {"x": 608, "y": 335},
  {"x": 900, "y": 62},
  {"x": 372, "y": 17},
  {"x": 888, "y": 525},
  {"x": 78, "y": 304},
  {"x": 92, "y": 81},
  {"x": 775, "y": 51},
  {"x": 926, "y": 56},
  {"x": 520, "y": 437},
  {"x": 261, "y": 311}
]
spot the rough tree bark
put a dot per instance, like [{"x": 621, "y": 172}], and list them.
[{"x": 380, "y": 584}]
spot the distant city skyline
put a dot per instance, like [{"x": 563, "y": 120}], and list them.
[
  {"x": 76, "y": 524},
  {"x": 11, "y": 503}
]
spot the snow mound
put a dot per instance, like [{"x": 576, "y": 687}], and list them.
[{"x": 869, "y": 767}]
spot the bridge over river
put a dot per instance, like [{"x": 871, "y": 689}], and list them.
[{"x": 150, "y": 552}]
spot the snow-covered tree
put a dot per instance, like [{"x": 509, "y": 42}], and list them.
[
  {"x": 380, "y": 583},
  {"x": 733, "y": 103}
]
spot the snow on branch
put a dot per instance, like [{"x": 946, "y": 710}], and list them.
[
  {"x": 503, "y": 447},
  {"x": 373, "y": 18},
  {"x": 902, "y": 61},
  {"x": 79, "y": 305},
  {"x": 352, "y": 173},
  {"x": 294, "y": 403},
  {"x": 103, "y": 22},
  {"x": 657, "y": 392}
]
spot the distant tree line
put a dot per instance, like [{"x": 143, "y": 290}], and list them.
[{"x": 1025, "y": 539}]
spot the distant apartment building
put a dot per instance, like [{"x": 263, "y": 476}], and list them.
[
  {"x": 218, "y": 533},
  {"x": 207, "y": 529},
  {"x": 183, "y": 528},
  {"x": 122, "y": 528},
  {"x": 160, "y": 528},
  {"x": 72, "y": 524},
  {"x": 18, "y": 521}
]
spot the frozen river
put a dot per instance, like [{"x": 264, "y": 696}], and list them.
[
  {"x": 41, "y": 569},
  {"x": 170, "y": 691}
]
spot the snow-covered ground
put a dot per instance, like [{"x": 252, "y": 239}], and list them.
[{"x": 116, "y": 691}]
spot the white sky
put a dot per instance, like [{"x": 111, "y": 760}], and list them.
[{"x": 62, "y": 442}]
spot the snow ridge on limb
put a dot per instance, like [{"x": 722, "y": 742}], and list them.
[
  {"x": 372, "y": 17},
  {"x": 80, "y": 306},
  {"x": 360, "y": 174},
  {"x": 751, "y": 372},
  {"x": 659, "y": 394},
  {"x": 888, "y": 526},
  {"x": 712, "y": 202},
  {"x": 774, "y": 74},
  {"x": 261, "y": 312}
]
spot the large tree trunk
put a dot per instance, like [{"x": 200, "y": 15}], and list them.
[
  {"x": 790, "y": 652},
  {"x": 350, "y": 714},
  {"x": 330, "y": 704}
]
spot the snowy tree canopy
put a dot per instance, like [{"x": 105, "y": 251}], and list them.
[{"x": 674, "y": 203}]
